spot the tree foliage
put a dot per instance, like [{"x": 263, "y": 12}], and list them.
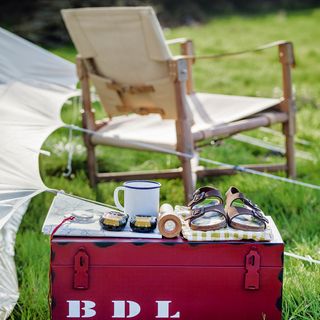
[{"x": 40, "y": 20}]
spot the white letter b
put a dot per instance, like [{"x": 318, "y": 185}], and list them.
[{"x": 74, "y": 309}]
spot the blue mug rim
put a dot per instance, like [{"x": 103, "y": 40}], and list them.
[{"x": 157, "y": 184}]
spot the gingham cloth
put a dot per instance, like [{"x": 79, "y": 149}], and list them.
[{"x": 227, "y": 233}]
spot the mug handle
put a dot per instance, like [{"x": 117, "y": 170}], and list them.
[{"x": 116, "y": 198}]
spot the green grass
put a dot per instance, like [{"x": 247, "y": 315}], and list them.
[{"x": 295, "y": 209}]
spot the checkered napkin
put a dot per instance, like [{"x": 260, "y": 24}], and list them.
[{"x": 227, "y": 233}]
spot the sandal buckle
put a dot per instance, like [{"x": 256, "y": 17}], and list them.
[
  {"x": 198, "y": 211},
  {"x": 256, "y": 211},
  {"x": 260, "y": 215},
  {"x": 199, "y": 197}
]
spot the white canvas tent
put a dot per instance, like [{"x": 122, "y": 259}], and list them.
[{"x": 34, "y": 84}]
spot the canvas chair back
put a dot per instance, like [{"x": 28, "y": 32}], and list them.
[{"x": 127, "y": 57}]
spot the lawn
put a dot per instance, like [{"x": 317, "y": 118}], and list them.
[{"x": 295, "y": 209}]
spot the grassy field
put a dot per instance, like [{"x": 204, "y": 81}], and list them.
[{"x": 295, "y": 209}]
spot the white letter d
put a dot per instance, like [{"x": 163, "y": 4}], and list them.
[{"x": 119, "y": 307}]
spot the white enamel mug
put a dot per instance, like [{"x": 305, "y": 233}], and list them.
[{"x": 141, "y": 197}]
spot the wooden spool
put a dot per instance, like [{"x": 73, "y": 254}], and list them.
[{"x": 169, "y": 224}]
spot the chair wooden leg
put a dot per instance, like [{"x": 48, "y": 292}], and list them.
[
  {"x": 92, "y": 165},
  {"x": 185, "y": 142},
  {"x": 187, "y": 178},
  {"x": 286, "y": 57},
  {"x": 88, "y": 120},
  {"x": 290, "y": 152},
  {"x": 194, "y": 167}
]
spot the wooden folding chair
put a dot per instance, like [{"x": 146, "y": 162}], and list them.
[{"x": 149, "y": 98}]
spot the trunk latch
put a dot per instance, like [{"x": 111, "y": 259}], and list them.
[
  {"x": 252, "y": 276},
  {"x": 81, "y": 270}
]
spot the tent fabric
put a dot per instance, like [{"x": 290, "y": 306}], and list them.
[
  {"x": 9, "y": 293},
  {"x": 127, "y": 45},
  {"x": 28, "y": 115},
  {"x": 21, "y": 60},
  {"x": 209, "y": 110},
  {"x": 34, "y": 84}
]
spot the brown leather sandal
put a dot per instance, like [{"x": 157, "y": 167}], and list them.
[
  {"x": 242, "y": 213},
  {"x": 207, "y": 211}
]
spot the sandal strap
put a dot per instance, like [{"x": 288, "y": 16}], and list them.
[
  {"x": 203, "y": 193},
  {"x": 234, "y": 194},
  {"x": 231, "y": 195},
  {"x": 244, "y": 211},
  {"x": 198, "y": 212}
]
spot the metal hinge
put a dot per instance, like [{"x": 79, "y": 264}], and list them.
[
  {"x": 182, "y": 70},
  {"x": 178, "y": 70},
  {"x": 81, "y": 270},
  {"x": 252, "y": 276}
]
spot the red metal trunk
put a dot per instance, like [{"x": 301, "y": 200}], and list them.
[{"x": 112, "y": 278}]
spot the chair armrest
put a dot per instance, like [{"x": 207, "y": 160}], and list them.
[
  {"x": 286, "y": 52},
  {"x": 283, "y": 45},
  {"x": 287, "y": 60},
  {"x": 177, "y": 41}
]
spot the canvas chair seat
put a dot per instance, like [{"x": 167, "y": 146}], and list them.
[{"x": 208, "y": 110}]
